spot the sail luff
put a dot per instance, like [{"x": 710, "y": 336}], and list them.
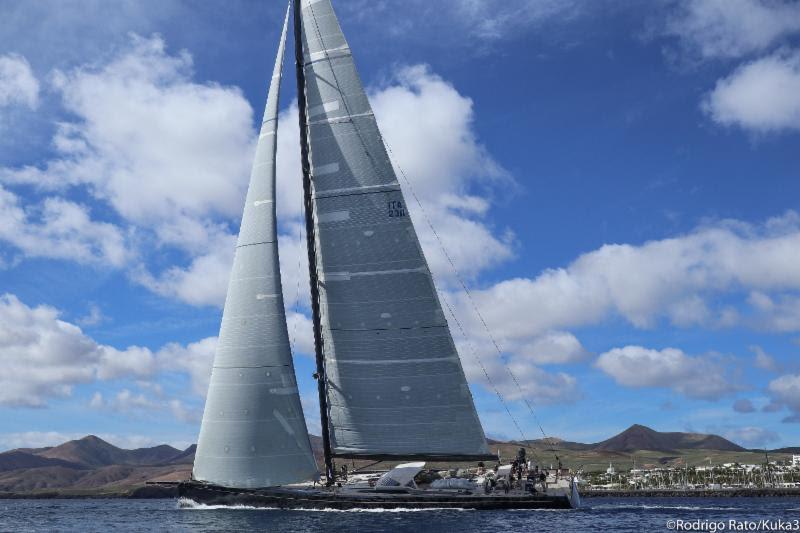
[
  {"x": 253, "y": 432},
  {"x": 308, "y": 205},
  {"x": 396, "y": 387}
]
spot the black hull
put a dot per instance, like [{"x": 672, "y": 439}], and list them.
[{"x": 285, "y": 498}]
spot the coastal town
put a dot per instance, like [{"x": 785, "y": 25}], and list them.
[{"x": 771, "y": 474}]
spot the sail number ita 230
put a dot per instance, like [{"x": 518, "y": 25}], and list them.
[{"x": 396, "y": 209}]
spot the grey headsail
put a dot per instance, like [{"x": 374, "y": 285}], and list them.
[
  {"x": 253, "y": 432},
  {"x": 396, "y": 388}
]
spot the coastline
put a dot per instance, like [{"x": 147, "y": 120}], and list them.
[{"x": 169, "y": 491}]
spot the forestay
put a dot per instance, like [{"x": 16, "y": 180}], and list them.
[
  {"x": 253, "y": 432},
  {"x": 396, "y": 387}
]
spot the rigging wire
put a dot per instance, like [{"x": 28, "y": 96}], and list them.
[
  {"x": 296, "y": 307},
  {"x": 467, "y": 292},
  {"x": 486, "y": 373}
]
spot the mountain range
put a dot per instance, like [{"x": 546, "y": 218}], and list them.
[{"x": 92, "y": 466}]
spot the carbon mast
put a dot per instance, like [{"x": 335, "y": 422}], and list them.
[{"x": 308, "y": 203}]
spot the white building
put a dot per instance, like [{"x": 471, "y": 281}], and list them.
[{"x": 796, "y": 460}]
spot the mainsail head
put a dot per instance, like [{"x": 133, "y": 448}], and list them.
[
  {"x": 253, "y": 432},
  {"x": 395, "y": 385}
]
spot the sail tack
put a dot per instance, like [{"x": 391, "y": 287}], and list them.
[
  {"x": 253, "y": 432},
  {"x": 396, "y": 387}
]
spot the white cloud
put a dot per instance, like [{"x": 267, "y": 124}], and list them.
[
  {"x": 514, "y": 376},
  {"x": 301, "y": 333},
  {"x": 763, "y": 360},
  {"x": 195, "y": 359},
  {"x": 60, "y": 229},
  {"x": 141, "y": 404},
  {"x": 743, "y": 405},
  {"x": 44, "y": 357},
  {"x": 465, "y": 25},
  {"x": 203, "y": 282},
  {"x": 780, "y": 313},
  {"x": 655, "y": 280},
  {"x": 694, "y": 376},
  {"x": 94, "y": 317},
  {"x": 732, "y": 28},
  {"x": 171, "y": 156},
  {"x": 750, "y": 436},
  {"x": 494, "y": 19},
  {"x": 785, "y": 391},
  {"x": 41, "y": 356},
  {"x": 554, "y": 347},
  {"x": 762, "y": 96},
  {"x": 18, "y": 85},
  {"x": 154, "y": 144}
]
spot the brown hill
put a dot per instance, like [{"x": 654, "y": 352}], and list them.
[
  {"x": 17, "y": 459},
  {"x": 638, "y": 437},
  {"x": 93, "y": 451}
]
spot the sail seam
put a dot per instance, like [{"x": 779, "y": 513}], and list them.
[
  {"x": 256, "y": 366},
  {"x": 254, "y": 244},
  {"x": 356, "y": 191},
  {"x": 393, "y": 361},
  {"x": 343, "y": 118}
]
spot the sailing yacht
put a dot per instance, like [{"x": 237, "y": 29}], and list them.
[{"x": 390, "y": 383}]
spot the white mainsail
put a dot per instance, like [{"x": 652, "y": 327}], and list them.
[
  {"x": 253, "y": 432},
  {"x": 395, "y": 385}
]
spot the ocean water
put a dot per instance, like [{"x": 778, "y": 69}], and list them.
[{"x": 598, "y": 514}]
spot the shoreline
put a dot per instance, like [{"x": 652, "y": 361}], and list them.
[{"x": 171, "y": 492}]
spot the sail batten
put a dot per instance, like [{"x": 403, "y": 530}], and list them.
[
  {"x": 253, "y": 432},
  {"x": 395, "y": 385}
]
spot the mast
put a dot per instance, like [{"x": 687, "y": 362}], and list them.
[{"x": 308, "y": 202}]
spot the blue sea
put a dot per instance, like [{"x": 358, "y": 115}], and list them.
[{"x": 598, "y": 514}]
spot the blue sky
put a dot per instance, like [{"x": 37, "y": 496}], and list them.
[{"x": 616, "y": 182}]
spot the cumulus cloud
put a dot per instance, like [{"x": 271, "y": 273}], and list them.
[
  {"x": 763, "y": 360},
  {"x": 60, "y": 229},
  {"x": 743, "y": 405},
  {"x": 195, "y": 359},
  {"x": 169, "y": 155},
  {"x": 150, "y": 141},
  {"x": 141, "y": 404},
  {"x": 702, "y": 377},
  {"x": 785, "y": 391},
  {"x": 41, "y": 355},
  {"x": 513, "y": 375},
  {"x": 18, "y": 85},
  {"x": 761, "y": 96},
  {"x": 554, "y": 347},
  {"x": 676, "y": 279},
  {"x": 750, "y": 436},
  {"x": 732, "y": 28},
  {"x": 467, "y": 24},
  {"x": 45, "y": 357}
]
